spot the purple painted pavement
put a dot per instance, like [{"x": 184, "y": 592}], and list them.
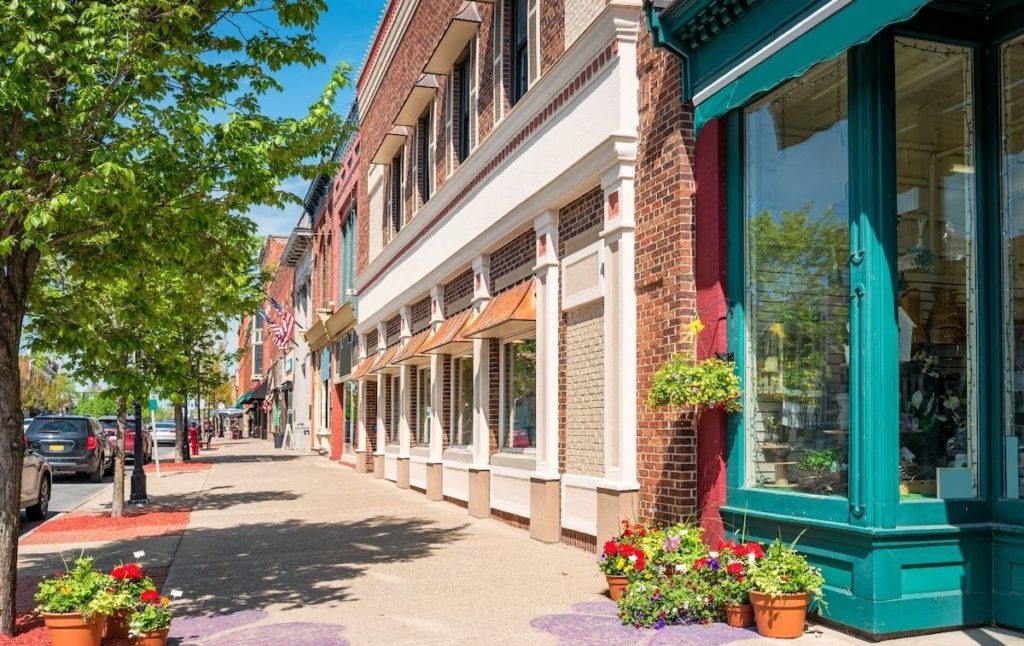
[
  {"x": 192, "y": 628},
  {"x": 597, "y": 624},
  {"x": 297, "y": 633}
]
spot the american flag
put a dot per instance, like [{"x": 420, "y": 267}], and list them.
[
  {"x": 276, "y": 331},
  {"x": 287, "y": 321}
]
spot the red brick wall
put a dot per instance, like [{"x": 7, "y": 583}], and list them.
[
  {"x": 666, "y": 290},
  {"x": 460, "y": 287},
  {"x": 420, "y": 313},
  {"x": 393, "y": 327},
  {"x": 371, "y": 422},
  {"x": 552, "y": 33},
  {"x": 494, "y": 376},
  {"x": 446, "y": 400},
  {"x": 515, "y": 254}
]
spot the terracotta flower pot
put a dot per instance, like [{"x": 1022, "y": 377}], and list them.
[
  {"x": 155, "y": 638},
  {"x": 616, "y": 586},
  {"x": 117, "y": 625},
  {"x": 781, "y": 617},
  {"x": 72, "y": 629},
  {"x": 741, "y": 616}
]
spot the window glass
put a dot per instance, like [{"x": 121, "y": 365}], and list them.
[
  {"x": 520, "y": 50},
  {"x": 797, "y": 250},
  {"x": 351, "y": 405},
  {"x": 463, "y": 73},
  {"x": 423, "y": 407},
  {"x": 423, "y": 154},
  {"x": 1012, "y": 139},
  {"x": 519, "y": 380},
  {"x": 935, "y": 241},
  {"x": 463, "y": 432}
]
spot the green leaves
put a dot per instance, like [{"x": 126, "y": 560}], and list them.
[{"x": 701, "y": 385}]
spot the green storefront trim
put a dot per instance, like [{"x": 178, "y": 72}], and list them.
[{"x": 892, "y": 565}]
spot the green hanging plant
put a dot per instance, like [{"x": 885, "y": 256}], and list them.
[{"x": 701, "y": 385}]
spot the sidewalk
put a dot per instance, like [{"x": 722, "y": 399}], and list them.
[{"x": 271, "y": 547}]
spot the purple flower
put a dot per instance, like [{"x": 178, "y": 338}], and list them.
[
  {"x": 658, "y": 625},
  {"x": 714, "y": 564}
]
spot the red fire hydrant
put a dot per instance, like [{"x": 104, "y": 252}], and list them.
[{"x": 193, "y": 440}]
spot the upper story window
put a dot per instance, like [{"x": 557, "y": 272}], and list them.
[
  {"x": 424, "y": 158},
  {"x": 395, "y": 192},
  {"x": 462, "y": 79},
  {"x": 347, "y": 255},
  {"x": 519, "y": 39}
]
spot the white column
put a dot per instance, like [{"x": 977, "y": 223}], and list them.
[
  {"x": 361, "y": 416},
  {"x": 405, "y": 412},
  {"x": 546, "y": 227},
  {"x": 436, "y": 378},
  {"x": 481, "y": 365},
  {"x": 382, "y": 336},
  {"x": 619, "y": 328}
]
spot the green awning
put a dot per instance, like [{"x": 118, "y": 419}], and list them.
[
  {"x": 734, "y": 50},
  {"x": 244, "y": 398},
  {"x": 855, "y": 22}
]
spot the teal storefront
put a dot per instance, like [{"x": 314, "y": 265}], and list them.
[{"x": 873, "y": 156}]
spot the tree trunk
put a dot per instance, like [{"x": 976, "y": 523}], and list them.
[
  {"x": 17, "y": 271},
  {"x": 178, "y": 434},
  {"x": 117, "y": 509}
]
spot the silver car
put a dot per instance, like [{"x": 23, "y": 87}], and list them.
[
  {"x": 36, "y": 485},
  {"x": 164, "y": 433}
]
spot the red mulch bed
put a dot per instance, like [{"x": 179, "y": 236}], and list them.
[
  {"x": 139, "y": 522},
  {"x": 179, "y": 467}
]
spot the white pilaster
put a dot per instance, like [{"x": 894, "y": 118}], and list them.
[
  {"x": 361, "y": 415},
  {"x": 382, "y": 344},
  {"x": 546, "y": 270},
  {"x": 436, "y": 378},
  {"x": 405, "y": 396},
  {"x": 481, "y": 365},
  {"x": 619, "y": 328}
]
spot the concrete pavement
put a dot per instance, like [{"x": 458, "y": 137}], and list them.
[{"x": 292, "y": 549}]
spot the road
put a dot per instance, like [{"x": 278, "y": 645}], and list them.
[{"x": 71, "y": 490}]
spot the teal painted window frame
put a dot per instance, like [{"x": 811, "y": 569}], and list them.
[{"x": 874, "y": 501}]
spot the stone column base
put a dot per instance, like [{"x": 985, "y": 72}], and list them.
[
  {"x": 361, "y": 462},
  {"x": 435, "y": 480},
  {"x": 378, "y": 466},
  {"x": 614, "y": 506},
  {"x": 403, "y": 473},
  {"x": 480, "y": 492},
  {"x": 545, "y": 509}
]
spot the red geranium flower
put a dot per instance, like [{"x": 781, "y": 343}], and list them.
[
  {"x": 130, "y": 571},
  {"x": 611, "y": 548},
  {"x": 699, "y": 563},
  {"x": 149, "y": 596},
  {"x": 734, "y": 568},
  {"x": 756, "y": 550}
]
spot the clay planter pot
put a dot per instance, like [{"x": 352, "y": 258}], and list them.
[
  {"x": 616, "y": 586},
  {"x": 155, "y": 638},
  {"x": 740, "y": 616},
  {"x": 71, "y": 629},
  {"x": 781, "y": 617},
  {"x": 117, "y": 625}
]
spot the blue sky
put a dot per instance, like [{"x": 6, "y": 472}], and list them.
[{"x": 343, "y": 34}]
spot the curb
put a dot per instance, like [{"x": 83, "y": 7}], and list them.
[{"x": 105, "y": 491}]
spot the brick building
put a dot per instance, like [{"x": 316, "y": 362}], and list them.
[{"x": 518, "y": 282}]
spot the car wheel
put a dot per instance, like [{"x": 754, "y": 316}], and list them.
[
  {"x": 97, "y": 475},
  {"x": 38, "y": 511}
]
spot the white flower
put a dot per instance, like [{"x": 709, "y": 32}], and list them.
[
  {"x": 632, "y": 558},
  {"x": 713, "y": 554},
  {"x": 750, "y": 558}
]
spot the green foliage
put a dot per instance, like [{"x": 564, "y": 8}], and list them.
[
  {"x": 150, "y": 617},
  {"x": 783, "y": 570},
  {"x": 701, "y": 385},
  {"x": 96, "y": 405},
  {"x": 81, "y": 589},
  {"x": 689, "y": 599},
  {"x": 820, "y": 461},
  {"x": 678, "y": 544},
  {"x": 41, "y": 391}
]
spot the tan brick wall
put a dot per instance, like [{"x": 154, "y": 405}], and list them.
[
  {"x": 578, "y": 16},
  {"x": 584, "y": 360}
]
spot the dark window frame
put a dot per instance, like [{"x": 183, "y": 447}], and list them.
[
  {"x": 463, "y": 70},
  {"x": 519, "y": 50}
]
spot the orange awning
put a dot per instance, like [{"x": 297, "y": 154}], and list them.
[
  {"x": 383, "y": 364},
  {"x": 450, "y": 337},
  {"x": 362, "y": 369},
  {"x": 411, "y": 353},
  {"x": 508, "y": 313}
]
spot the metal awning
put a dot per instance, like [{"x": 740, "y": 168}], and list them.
[
  {"x": 383, "y": 364},
  {"x": 390, "y": 145},
  {"x": 362, "y": 371},
  {"x": 454, "y": 40},
  {"x": 419, "y": 97},
  {"x": 510, "y": 312},
  {"x": 450, "y": 337},
  {"x": 411, "y": 353}
]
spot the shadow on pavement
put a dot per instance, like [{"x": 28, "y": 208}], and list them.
[
  {"x": 248, "y": 459},
  {"x": 221, "y": 501},
  {"x": 284, "y": 563}
]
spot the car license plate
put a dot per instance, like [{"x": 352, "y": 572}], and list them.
[{"x": 56, "y": 447}]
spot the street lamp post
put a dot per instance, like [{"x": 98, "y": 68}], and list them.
[
  {"x": 186, "y": 454},
  {"x": 139, "y": 496}
]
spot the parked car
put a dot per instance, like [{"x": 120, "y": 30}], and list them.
[
  {"x": 164, "y": 434},
  {"x": 109, "y": 424},
  {"x": 72, "y": 443},
  {"x": 28, "y": 420},
  {"x": 36, "y": 485}
]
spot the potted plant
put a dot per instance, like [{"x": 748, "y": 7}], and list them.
[
  {"x": 151, "y": 619},
  {"x": 776, "y": 448},
  {"x": 738, "y": 560},
  {"x": 622, "y": 559},
  {"x": 679, "y": 547},
  {"x": 129, "y": 583},
  {"x": 708, "y": 384},
  {"x": 782, "y": 586},
  {"x": 74, "y": 604},
  {"x": 821, "y": 472}
]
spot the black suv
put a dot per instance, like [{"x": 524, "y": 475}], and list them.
[{"x": 72, "y": 443}]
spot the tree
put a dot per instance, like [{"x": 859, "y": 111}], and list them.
[
  {"x": 128, "y": 121},
  {"x": 96, "y": 405},
  {"x": 42, "y": 390}
]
